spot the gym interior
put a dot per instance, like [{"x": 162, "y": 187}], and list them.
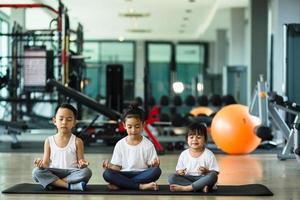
[{"x": 231, "y": 65}]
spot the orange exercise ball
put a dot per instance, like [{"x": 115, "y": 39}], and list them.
[{"x": 232, "y": 130}]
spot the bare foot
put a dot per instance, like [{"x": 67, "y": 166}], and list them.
[
  {"x": 186, "y": 188},
  {"x": 149, "y": 186},
  {"x": 112, "y": 187},
  {"x": 205, "y": 189}
]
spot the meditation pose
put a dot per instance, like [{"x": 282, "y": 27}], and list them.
[
  {"x": 197, "y": 168},
  {"x": 134, "y": 163},
  {"x": 63, "y": 164}
]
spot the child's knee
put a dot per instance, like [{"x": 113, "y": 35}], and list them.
[
  {"x": 213, "y": 176},
  {"x": 171, "y": 178},
  {"x": 157, "y": 171},
  {"x": 36, "y": 172},
  {"x": 87, "y": 172},
  {"x": 107, "y": 175}
]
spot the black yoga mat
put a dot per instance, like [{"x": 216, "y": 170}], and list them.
[{"x": 223, "y": 190}]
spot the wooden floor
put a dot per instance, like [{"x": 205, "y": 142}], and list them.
[{"x": 282, "y": 177}]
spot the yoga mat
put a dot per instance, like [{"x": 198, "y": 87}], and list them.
[{"x": 223, "y": 190}]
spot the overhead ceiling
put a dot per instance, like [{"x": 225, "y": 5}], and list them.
[{"x": 150, "y": 19}]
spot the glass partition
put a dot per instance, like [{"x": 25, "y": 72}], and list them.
[
  {"x": 102, "y": 53},
  {"x": 159, "y": 76},
  {"x": 190, "y": 60}
]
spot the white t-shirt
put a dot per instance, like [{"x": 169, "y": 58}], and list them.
[
  {"x": 133, "y": 157},
  {"x": 191, "y": 164},
  {"x": 63, "y": 158}
]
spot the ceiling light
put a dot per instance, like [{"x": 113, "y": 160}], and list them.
[
  {"x": 134, "y": 14},
  {"x": 200, "y": 87},
  {"x": 121, "y": 38},
  {"x": 138, "y": 30},
  {"x": 188, "y": 10},
  {"x": 178, "y": 87}
]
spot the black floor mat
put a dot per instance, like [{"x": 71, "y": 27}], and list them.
[{"x": 223, "y": 190}]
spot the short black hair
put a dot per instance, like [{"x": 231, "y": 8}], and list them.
[
  {"x": 134, "y": 111},
  {"x": 67, "y": 106},
  {"x": 196, "y": 128}
]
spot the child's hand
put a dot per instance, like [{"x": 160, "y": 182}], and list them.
[
  {"x": 82, "y": 163},
  {"x": 105, "y": 164},
  {"x": 202, "y": 170},
  {"x": 155, "y": 162},
  {"x": 38, "y": 162},
  {"x": 181, "y": 172}
]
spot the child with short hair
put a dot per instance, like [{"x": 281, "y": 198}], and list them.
[
  {"x": 197, "y": 168},
  {"x": 63, "y": 164},
  {"x": 134, "y": 164}
]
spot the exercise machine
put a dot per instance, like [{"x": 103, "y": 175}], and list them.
[
  {"x": 265, "y": 105},
  {"x": 13, "y": 129},
  {"x": 290, "y": 134}
]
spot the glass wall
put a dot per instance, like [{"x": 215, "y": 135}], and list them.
[
  {"x": 190, "y": 68},
  {"x": 159, "y": 70},
  {"x": 102, "y": 53},
  {"x": 190, "y": 63},
  {"x": 168, "y": 63}
]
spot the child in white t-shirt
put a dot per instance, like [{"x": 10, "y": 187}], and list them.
[
  {"x": 197, "y": 168},
  {"x": 134, "y": 164},
  {"x": 63, "y": 164}
]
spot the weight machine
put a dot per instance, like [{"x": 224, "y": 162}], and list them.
[
  {"x": 32, "y": 63},
  {"x": 267, "y": 104}
]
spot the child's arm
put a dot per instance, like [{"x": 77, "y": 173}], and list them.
[
  {"x": 44, "y": 163},
  {"x": 181, "y": 168},
  {"x": 79, "y": 151},
  {"x": 155, "y": 162},
  {"x": 210, "y": 166},
  {"x": 152, "y": 158},
  {"x": 107, "y": 165}
]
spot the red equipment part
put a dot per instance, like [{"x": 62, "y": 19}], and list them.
[
  {"x": 153, "y": 117},
  {"x": 156, "y": 143},
  {"x": 28, "y": 6}
]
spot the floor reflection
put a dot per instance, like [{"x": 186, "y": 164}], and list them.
[{"x": 239, "y": 169}]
